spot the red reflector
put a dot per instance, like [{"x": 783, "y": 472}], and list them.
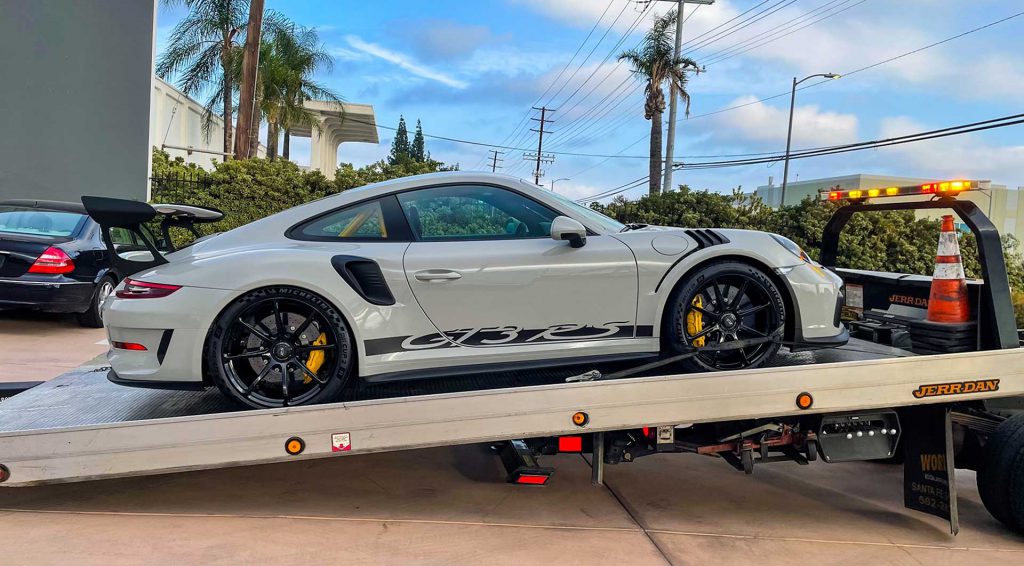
[
  {"x": 134, "y": 289},
  {"x": 53, "y": 260},
  {"x": 570, "y": 443},
  {"x": 532, "y": 480},
  {"x": 128, "y": 346}
]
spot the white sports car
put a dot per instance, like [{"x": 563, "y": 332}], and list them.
[{"x": 444, "y": 274}]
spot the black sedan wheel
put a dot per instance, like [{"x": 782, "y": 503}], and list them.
[
  {"x": 727, "y": 302},
  {"x": 280, "y": 347}
]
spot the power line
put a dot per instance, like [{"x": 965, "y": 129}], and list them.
[{"x": 993, "y": 123}]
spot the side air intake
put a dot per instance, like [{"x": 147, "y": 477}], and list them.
[
  {"x": 706, "y": 237},
  {"x": 365, "y": 278}
]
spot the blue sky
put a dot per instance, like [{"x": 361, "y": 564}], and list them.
[{"x": 471, "y": 70}]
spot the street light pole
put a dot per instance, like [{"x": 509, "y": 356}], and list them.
[
  {"x": 557, "y": 180},
  {"x": 789, "y": 133},
  {"x": 670, "y": 142}
]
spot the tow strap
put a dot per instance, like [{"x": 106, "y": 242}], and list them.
[{"x": 774, "y": 338}]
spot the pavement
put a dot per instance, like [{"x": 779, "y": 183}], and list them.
[
  {"x": 450, "y": 506},
  {"x": 39, "y": 346}
]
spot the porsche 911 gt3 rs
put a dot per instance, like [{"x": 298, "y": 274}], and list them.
[{"x": 449, "y": 273}]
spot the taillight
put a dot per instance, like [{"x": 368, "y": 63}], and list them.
[
  {"x": 134, "y": 289},
  {"x": 53, "y": 260}
]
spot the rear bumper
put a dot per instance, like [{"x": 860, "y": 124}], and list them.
[
  {"x": 55, "y": 295},
  {"x": 172, "y": 329}
]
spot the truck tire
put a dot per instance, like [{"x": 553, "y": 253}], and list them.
[{"x": 998, "y": 483}]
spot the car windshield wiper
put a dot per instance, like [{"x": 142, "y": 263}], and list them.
[{"x": 633, "y": 226}]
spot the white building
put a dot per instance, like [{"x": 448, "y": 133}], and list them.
[{"x": 176, "y": 126}]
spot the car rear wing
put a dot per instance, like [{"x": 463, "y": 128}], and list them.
[{"x": 133, "y": 216}]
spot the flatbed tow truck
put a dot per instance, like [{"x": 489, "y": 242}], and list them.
[{"x": 862, "y": 401}]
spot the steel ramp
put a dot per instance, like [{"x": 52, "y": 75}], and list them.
[{"x": 81, "y": 427}]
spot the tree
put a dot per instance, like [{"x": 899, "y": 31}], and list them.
[
  {"x": 400, "y": 145},
  {"x": 419, "y": 150},
  {"x": 202, "y": 49},
  {"x": 655, "y": 62},
  {"x": 289, "y": 56},
  {"x": 247, "y": 88}
]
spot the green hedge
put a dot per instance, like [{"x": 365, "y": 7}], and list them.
[{"x": 882, "y": 241}]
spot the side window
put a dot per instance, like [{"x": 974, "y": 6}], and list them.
[
  {"x": 474, "y": 212},
  {"x": 362, "y": 221}
]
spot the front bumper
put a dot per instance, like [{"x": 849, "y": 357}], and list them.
[
  {"x": 817, "y": 296},
  {"x": 48, "y": 293}
]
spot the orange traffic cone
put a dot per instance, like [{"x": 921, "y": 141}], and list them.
[{"x": 948, "y": 300}]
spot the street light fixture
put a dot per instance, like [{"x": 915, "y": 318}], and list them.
[
  {"x": 789, "y": 134},
  {"x": 557, "y": 180}
]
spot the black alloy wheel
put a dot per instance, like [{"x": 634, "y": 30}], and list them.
[
  {"x": 280, "y": 347},
  {"x": 727, "y": 302}
]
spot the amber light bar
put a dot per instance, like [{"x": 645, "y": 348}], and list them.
[{"x": 937, "y": 188}]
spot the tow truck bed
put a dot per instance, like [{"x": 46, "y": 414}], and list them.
[{"x": 79, "y": 426}]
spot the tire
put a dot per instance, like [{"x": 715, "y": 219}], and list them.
[
  {"x": 93, "y": 318},
  {"x": 726, "y": 290},
  {"x": 999, "y": 484},
  {"x": 261, "y": 349}
]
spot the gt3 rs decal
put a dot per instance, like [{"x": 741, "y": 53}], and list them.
[{"x": 501, "y": 336}]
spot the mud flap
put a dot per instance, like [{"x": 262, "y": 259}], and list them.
[{"x": 929, "y": 481}]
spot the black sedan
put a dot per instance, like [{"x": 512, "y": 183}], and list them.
[{"x": 52, "y": 258}]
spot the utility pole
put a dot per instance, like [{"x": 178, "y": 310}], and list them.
[
  {"x": 670, "y": 143},
  {"x": 540, "y": 141},
  {"x": 247, "y": 90},
  {"x": 495, "y": 160}
]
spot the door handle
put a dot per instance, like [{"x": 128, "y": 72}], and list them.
[{"x": 429, "y": 275}]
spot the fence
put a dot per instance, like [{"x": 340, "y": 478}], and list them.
[{"x": 177, "y": 188}]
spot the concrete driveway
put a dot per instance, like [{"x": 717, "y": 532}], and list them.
[
  {"x": 450, "y": 506},
  {"x": 39, "y": 346}
]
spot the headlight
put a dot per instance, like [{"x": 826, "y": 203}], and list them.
[{"x": 792, "y": 247}]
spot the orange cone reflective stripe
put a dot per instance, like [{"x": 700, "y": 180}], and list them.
[{"x": 948, "y": 300}]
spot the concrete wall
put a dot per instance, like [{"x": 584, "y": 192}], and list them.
[{"x": 76, "y": 81}]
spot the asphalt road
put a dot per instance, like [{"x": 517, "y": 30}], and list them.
[
  {"x": 450, "y": 506},
  {"x": 39, "y": 346}
]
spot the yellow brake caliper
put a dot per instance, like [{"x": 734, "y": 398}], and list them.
[
  {"x": 316, "y": 357},
  {"x": 695, "y": 321}
]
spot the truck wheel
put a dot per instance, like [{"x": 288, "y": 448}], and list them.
[
  {"x": 280, "y": 347},
  {"x": 996, "y": 477},
  {"x": 724, "y": 302}
]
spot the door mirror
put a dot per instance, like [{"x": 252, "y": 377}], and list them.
[{"x": 567, "y": 229}]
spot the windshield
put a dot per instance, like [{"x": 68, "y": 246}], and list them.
[
  {"x": 37, "y": 222},
  {"x": 608, "y": 224}
]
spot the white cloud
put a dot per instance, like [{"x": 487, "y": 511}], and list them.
[
  {"x": 759, "y": 122},
  {"x": 403, "y": 61},
  {"x": 965, "y": 156}
]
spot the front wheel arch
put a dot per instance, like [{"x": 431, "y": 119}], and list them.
[{"x": 787, "y": 298}]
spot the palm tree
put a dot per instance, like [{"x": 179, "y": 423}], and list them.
[
  {"x": 288, "y": 59},
  {"x": 655, "y": 62},
  {"x": 202, "y": 50}
]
